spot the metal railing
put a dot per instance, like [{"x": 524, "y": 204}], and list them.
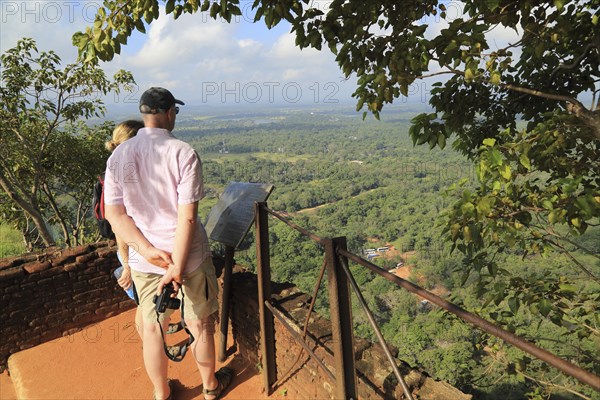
[{"x": 340, "y": 280}]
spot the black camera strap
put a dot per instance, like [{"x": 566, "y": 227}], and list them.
[{"x": 183, "y": 349}]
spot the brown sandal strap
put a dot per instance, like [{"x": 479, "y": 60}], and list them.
[
  {"x": 215, "y": 392},
  {"x": 224, "y": 377}
]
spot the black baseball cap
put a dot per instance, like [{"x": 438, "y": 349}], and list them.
[{"x": 157, "y": 98}]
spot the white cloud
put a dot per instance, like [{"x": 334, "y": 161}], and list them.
[
  {"x": 188, "y": 55},
  {"x": 249, "y": 44},
  {"x": 50, "y": 23},
  {"x": 292, "y": 74},
  {"x": 501, "y": 37},
  {"x": 207, "y": 62},
  {"x": 170, "y": 44}
]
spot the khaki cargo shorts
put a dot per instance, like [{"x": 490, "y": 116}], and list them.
[{"x": 200, "y": 289}]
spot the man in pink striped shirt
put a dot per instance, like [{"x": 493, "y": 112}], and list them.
[{"x": 152, "y": 188}]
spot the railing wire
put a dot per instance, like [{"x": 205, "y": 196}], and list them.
[
  {"x": 300, "y": 229},
  {"x": 291, "y": 330},
  {"x": 563, "y": 365},
  {"x": 306, "y": 321}
]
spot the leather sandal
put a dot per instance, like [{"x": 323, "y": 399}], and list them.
[
  {"x": 224, "y": 377},
  {"x": 176, "y": 349},
  {"x": 174, "y": 328}
]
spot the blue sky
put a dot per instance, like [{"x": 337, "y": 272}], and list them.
[
  {"x": 202, "y": 61},
  {"x": 206, "y": 62}
]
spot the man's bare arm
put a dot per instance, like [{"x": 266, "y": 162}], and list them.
[
  {"x": 124, "y": 227},
  {"x": 187, "y": 215}
]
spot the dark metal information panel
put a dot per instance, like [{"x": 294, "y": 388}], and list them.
[{"x": 231, "y": 218}]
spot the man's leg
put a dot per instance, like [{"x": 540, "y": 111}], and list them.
[
  {"x": 155, "y": 360},
  {"x": 139, "y": 322},
  {"x": 201, "y": 310},
  {"x": 203, "y": 349}
]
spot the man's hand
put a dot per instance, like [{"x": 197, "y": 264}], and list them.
[
  {"x": 125, "y": 280},
  {"x": 173, "y": 275},
  {"x": 157, "y": 257},
  {"x": 126, "y": 230}
]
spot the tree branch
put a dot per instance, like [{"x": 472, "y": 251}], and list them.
[
  {"x": 496, "y": 359},
  {"x": 575, "y": 63},
  {"x": 581, "y": 266},
  {"x": 561, "y": 387},
  {"x": 590, "y": 118},
  {"x": 515, "y": 213},
  {"x": 57, "y": 213},
  {"x": 538, "y": 93},
  {"x": 574, "y": 106},
  {"x": 29, "y": 208},
  {"x": 436, "y": 73},
  {"x": 570, "y": 242}
]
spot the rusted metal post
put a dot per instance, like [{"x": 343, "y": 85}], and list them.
[
  {"x": 384, "y": 345},
  {"x": 227, "y": 271},
  {"x": 341, "y": 322},
  {"x": 263, "y": 271}
]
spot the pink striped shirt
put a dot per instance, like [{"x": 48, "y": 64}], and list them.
[{"x": 151, "y": 174}]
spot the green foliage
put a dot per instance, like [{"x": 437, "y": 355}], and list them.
[
  {"x": 49, "y": 158},
  {"x": 11, "y": 243},
  {"x": 312, "y": 161},
  {"x": 529, "y": 203}
]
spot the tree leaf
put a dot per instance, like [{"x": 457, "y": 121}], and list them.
[
  {"x": 514, "y": 304},
  {"x": 505, "y": 171},
  {"x": 495, "y": 157},
  {"x": 495, "y": 78},
  {"x": 484, "y": 205},
  {"x": 441, "y": 140},
  {"x": 545, "y": 307},
  {"x": 524, "y": 160},
  {"x": 568, "y": 288},
  {"x": 170, "y": 6},
  {"x": 469, "y": 75},
  {"x": 489, "y": 142},
  {"x": 492, "y": 268},
  {"x": 467, "y": 208}
]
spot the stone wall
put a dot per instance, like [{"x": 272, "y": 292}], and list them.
[
  {"x": 304, "y": 379},
  {"x": 56, "y": 292}
]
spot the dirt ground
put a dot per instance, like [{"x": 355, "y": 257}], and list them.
[
  {"x": 104, "y": 361},
  {"x": 7, "y": 390}
]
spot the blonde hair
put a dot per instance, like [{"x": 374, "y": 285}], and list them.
[{"x": 122, "y": 132}]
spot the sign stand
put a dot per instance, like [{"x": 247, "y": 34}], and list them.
[
  {"x": 228, "y": 223},
  {"x": 224, "y": 325}
]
